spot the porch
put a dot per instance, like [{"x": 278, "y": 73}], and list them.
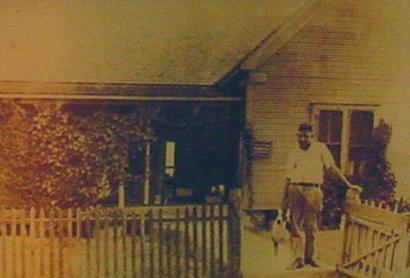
[{"x": 194, "y": 159}]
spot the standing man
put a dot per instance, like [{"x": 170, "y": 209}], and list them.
[{"x": 303, "y": 195}]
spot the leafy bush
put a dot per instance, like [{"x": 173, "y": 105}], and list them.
[
  {"x": 377, "y": 178},
  {"x": 51, "y": 156}
]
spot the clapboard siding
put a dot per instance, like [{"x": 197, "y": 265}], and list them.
[{"x": 336, "y": 58}]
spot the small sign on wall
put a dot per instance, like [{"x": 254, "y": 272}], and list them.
[{"x": 261, "y": 149}]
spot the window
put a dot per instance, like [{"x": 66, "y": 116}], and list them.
[
  {"x": 346, "y": 130},
  {"x": 330, "y": 132},
  {"x": 170, "y": 158}
]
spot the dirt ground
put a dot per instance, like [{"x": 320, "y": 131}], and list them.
[{"x": 258, "y": 259}]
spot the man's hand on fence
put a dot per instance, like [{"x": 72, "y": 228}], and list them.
[
  {"x": 353, "y": 194},
  {"x": 356, "y": 188}
]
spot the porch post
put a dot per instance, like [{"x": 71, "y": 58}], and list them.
[
  {"x": 241, "y": 174},
  {"x": 147, "y": 173},
  {"x": 121, "y": 196}
]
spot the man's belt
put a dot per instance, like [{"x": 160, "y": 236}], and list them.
[{"x": 307, "y": 184}]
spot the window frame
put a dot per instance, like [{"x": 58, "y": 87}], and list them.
[{"x": 347, "y": 110}]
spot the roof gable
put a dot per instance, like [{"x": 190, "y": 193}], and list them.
[{"x": 281, "y": 35}]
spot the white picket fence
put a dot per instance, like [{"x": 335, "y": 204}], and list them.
[
  {"x": 376, "y": 241},
  {"x": 189, "y": 241}
]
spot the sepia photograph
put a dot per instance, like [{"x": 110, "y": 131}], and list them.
[{"x": 215, "y": 139}]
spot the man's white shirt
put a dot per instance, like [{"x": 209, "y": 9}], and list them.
[{"x": 308, "y": 165}]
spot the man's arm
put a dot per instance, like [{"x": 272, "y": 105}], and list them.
[
  {"x": 333, "y": 168},
  {"x": 330, "y": 165}
]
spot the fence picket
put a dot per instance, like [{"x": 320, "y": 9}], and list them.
[
  {"x": 142, "y": 244},
  {"x": 204, "y": 239},
  {"x": 168, "y": 241},
  {"x": 133, "y": 245},
  {"x": 379, "y": 240},
  {"x": 195, "y": 240},
  {"x": 151, "y": 243},
  {"x": 389, "y": 253},
  {"x": 14, "y": 242},
  {"x": 60, "y": 243},
  {"x": 70, "y": 223},
  {"x": 212, "y": 242},
  {"x": 41, "y": 233},
  {"x": 220, "y": 239},
  {"x": 78, "y": 222},
  {"x": 32, "y": 235},
  {"x": 237, "y": 236},
  {"x": 160, "y": 244},
  {"x": 51, "y": 242},
  {"x": 97, "y": 244},
  {"x": 392, "y": 256},
  {"x": 23, "y": 235},
  {"x": 88, "y": 244},
  {"x": 123, "y": 244},
  {"x": 115, "y": 237},
  {"x": 349, "y": 241},
  {"x": 370, "y": 245},
  {"x": 106, "y": 224},
  {"x": 186, "y": 241},
  {"x": 177, "y": 244},
  {"x": 344, "y": 228},
  {"x": 402, "y": 253}
]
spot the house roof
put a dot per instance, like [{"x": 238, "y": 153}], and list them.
[
  {"x": 144, "y": 42},
  {"x": 116, "y": 91}
]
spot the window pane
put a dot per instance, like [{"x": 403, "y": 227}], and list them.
[
  {"x": 360, "y": 149},
  {"x": 336, "y": 127},
  {"x": 361, "y": 127},
  {"x": 330, "y": 126},
  {"x": 357, "y": 156},
  {"x": 324, "y": 119},
  {"x": 335, "y": 151}
]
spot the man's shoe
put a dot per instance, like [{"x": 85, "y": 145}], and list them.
[
  {"x": 298, "y": 263},
  {"x": 311, "y": 262}
]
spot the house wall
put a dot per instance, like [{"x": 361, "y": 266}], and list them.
[{"x": 354, "y": 52}]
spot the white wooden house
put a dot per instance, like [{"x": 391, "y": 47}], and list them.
[
  {"x": 343, "y": 62},
  {"x": 342, "y": 65},
  {"x": 133, "y": 53}
]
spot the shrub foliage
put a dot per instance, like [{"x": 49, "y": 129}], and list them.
[
  {"x": 376, "y": 178},
  {"x": 52, "y": 155}
]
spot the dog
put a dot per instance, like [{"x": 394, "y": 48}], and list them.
[{"x": 280, "y": 232}]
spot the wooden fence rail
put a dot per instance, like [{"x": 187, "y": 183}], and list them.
[
  {"x": 375, "y": 241},
  {"x": 189, "y": 241}
]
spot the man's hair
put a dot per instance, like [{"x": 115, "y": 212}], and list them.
[{"x": 305, "y": 127}]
